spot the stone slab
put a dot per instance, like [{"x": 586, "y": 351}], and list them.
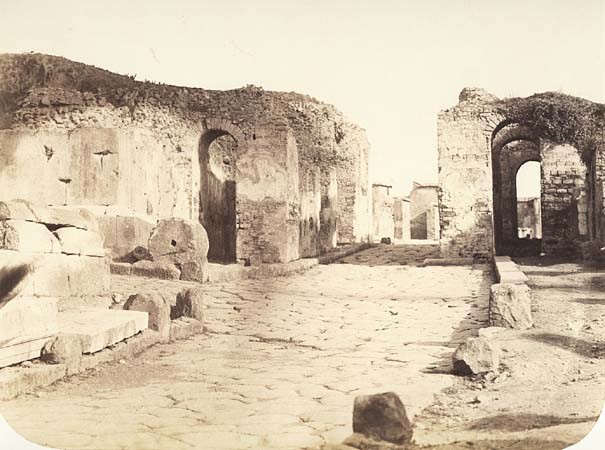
[
  {"x": 24, "y": 236},
  {"x": 98, "y": 328},
  {"x": 22, "y": 351},
  {"x": 28, "y": 316},
  {"x": 75, "y": 241}
]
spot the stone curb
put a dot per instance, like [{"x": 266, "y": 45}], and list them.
[
  {"x": 335, "y": 256},
  {"x": 17, "y": 380}
]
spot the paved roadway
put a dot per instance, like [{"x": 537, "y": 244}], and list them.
[{"x": 279, "y": 366}]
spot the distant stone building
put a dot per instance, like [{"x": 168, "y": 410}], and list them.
[
  {"x": 382, "y": 213},
  {"x": 529, "y": 221},
  {"x": 401, "y": 218},
  {"x": 424, "y": 211}
]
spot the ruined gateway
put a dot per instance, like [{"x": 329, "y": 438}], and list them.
[
  {"x": 273, "y": 177},
  {"x": 483, "y": 142}
]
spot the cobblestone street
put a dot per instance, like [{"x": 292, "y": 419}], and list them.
[{"x": 278, "y": 367}]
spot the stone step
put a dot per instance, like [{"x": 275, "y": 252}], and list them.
[
  {"x": 100, "y": 328},
  {"x": 27, "y": 348}
]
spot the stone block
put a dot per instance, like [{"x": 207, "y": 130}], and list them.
[
  {"x": 99, "y": 328},
  {"x": 382, "y": 417},
  {"x": 88, "y": 275},
  {"x": 75, "y": 241},
  {"x": 183, "y": 243},
  {"x": 476, "y": 355},
  {"x": 50, "y": 276},
  {"x": 107, "y": 228},
  {"x": 132, "y": 231},
  {"x": 63, "y": 217},
  {"x": 119, "y": 268},
  {"x": 21, "y": 351},
  {"x": 24, "y": 318},
  {"x": 24, "y": 236},
  {"x": 510, "y": 306},
  {"x": 75, "y": 216},
  {"x": 64, "y": 349},
  {"x": 190, "y": 303},
  {"x": 163, "y": 270},
  {"x": 16, "y": 209},
  {"x": 184, "y": 328},
  {"x": 15, "y": 275},
  {"x": 156, "y": 307},
  {"x": 86, "y": 301}
]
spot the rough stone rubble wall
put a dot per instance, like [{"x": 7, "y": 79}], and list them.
[
  {"x": 103, "y": 140},
  {"x": 477, "y": 199},
  {"x": 465, "y": 179}
]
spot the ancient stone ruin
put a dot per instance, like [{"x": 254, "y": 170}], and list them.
[
  {"x": 482, "y": 143},
  {"x": 272, "y": 177},
  {"x": 97, "y": 168}
]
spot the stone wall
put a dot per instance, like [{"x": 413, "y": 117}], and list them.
[
  {"x": 564, "y": 199},
  {"x": 424, "y": 199},
  {"x": 107, "y": 141},
  {"x": 480, "y": 152},
  {"x": 465, "y": 176},
  {"x": 401, "y": 217},
  {"x": 51, "y": 259}
]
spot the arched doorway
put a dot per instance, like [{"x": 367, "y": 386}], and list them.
[
  {"x": 218, "y": 201},
  {"x": 528, "y": 198},
  {"x": 513, "y": 146}
]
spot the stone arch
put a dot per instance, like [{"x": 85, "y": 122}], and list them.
[
  {"x": 512, "y": 145},
  {"x": 219, "y": 146}
]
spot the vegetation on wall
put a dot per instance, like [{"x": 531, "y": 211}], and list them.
[{"x": 561, "y": 118}]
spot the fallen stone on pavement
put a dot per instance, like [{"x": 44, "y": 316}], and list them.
[
  {"x": 190, "y": 303},
  {"x": 382, "y": 417},
  {"x": 475, "y": 356},
  {"x": 158, "y": 309},
  {"x": 510, "y": 306},
  {"x": 64, "y": 349}
]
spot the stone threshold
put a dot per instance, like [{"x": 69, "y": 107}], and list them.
[{"x": 29, "y": 376}]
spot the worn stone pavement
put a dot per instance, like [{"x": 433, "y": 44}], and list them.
[{"x": 279, "y": 366}]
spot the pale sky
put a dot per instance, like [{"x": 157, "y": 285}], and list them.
[{"x": 389, "y": 65}]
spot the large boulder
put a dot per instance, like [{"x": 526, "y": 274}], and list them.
[
  {"x": 475, "y": 356},
  {"x": 156, "y": 307},
  {"x": 510, "y": 306},
  {"x": 182, "y": 243},
  {"x": 382, "y": 417}
]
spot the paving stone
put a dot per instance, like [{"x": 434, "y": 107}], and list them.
[{"x": 249, "y": 371}]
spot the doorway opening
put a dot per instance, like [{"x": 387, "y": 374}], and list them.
[{"x": 218, "y": 205}]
